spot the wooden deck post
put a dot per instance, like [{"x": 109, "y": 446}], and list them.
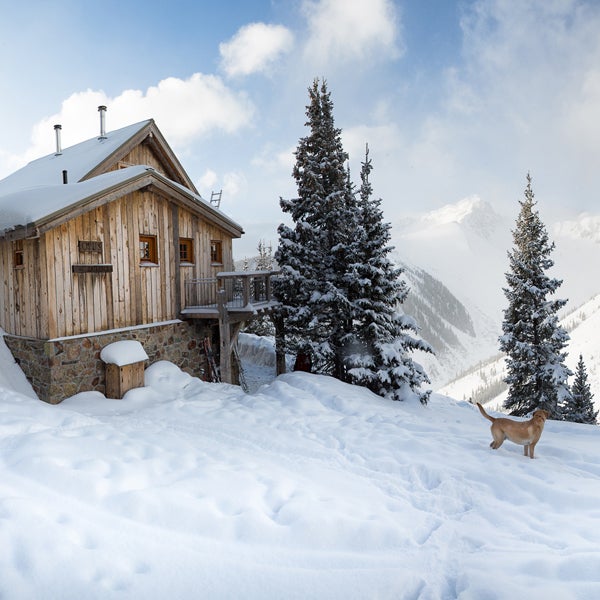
[
  {"x": 225, "y": 335},
  {"x": 268, "y": 287},
  {"x": 279, "y": 344},
  {"x": 246, "y": 293}
]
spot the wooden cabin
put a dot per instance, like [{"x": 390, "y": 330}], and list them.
[{"x": 108, "y": 240}]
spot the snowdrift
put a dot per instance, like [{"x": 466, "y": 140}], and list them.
[{"x": 308, "y": 488}]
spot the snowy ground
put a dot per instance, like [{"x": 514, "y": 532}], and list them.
[{"x": 306, "y": 488}]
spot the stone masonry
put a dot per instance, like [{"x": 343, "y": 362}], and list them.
[{"x": 64, "y": 367}]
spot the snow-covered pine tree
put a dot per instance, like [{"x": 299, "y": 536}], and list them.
[
  {"x": 533, "y": 339},
  {"x": 580, "y": 407},
  {"x": 313, "y": 254},
  {"x": 384, "y": 336},
  {"x": 264, "y": 260}
]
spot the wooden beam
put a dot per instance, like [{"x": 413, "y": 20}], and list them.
[
  {"x": 176, "y": 255},
  {"x": 225, "y": 338},
  {"x": 279, "y": 343}
]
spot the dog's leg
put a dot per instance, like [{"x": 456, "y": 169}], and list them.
[
  {"x": 498, "y": 436},
  {"x": 497, "y": 442},
  {"x": 531, "y": 447},
  {"x": 526, "y": 449}
]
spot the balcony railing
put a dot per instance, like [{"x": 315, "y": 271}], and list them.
[{"x": 243, "y": 289}]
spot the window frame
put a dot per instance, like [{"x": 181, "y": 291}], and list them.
[
  {"x": 18, "y": 254},
  {"x": 188, "y": 243},
  {"x": 216, "y": 252},
  {"x": 152, "y": 250}
]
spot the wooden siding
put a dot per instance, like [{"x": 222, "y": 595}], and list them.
[
  {"x": 202, "y": 233},
  {"x": 47, "y": 299},
  {"x": 141, "y": 155},
  {"x": 21, "y": 301}
]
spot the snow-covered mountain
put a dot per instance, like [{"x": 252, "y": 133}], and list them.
[
  {"x": 463, "y": 248},
  {"x": 455, "y": 332},
  {"x": 454, "y": 261}
]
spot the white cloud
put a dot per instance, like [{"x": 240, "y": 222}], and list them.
[
  {"x": 526, "y": 96},
  {"x": 254, "y": 48},
  {"x": 351, "y": 30},
  {"x": 382, "y": 139},
  {"x": 275, "y": 160},
  {"x": 208, "y": 181},
  {"x": 184, "y": 110},
  {"x": 582, "y": 123},
  {"x": 233, "y": 184}
]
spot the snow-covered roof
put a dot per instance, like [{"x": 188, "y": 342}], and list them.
[
  {"x": 123, "y": 352},
  {"x": 30, "y": 205},
  {"x": 43, "y": 204},
  {"x": 77, "y": 160},
  {"x": 37, "y": 195}
]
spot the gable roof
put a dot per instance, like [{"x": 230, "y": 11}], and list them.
[
  {"x": 35, "y": 198},
  {"x": 29, "y": 212},
  {"x": 94, "y": 157}
]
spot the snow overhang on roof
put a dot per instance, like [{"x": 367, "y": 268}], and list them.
[{"x": 29, "y": 212}]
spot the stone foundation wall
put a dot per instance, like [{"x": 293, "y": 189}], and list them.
[{"x": 61, "y": 368}]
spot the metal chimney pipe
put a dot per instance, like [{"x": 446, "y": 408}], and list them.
[
  {"x": 102, "y": 111},
  {"x": 57, "y": 129}
]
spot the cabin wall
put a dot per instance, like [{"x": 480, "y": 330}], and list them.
[
  {"x": 77, "y": 302},
  {"x": 22, "y": 298},
  {"x": 202, "y": 234},
  {"x": 141, "y": 155},
  {"x": 57, "y": 318},
  {"x": 115, "y": 289}
]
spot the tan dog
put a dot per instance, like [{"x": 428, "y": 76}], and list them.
[{"x": 525, "y": 433}]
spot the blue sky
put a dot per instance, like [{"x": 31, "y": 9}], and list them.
[{"x": 455, "y": 98}]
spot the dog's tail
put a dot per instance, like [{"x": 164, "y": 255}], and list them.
[{"x": 484, "y": 413}]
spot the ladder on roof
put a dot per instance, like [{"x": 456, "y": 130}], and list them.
[{"x": 215, "y": 198}]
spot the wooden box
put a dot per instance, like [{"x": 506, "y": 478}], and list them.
[{"x": 121, "y": 379}]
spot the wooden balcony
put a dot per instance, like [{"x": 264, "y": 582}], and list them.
[{"x": 241, "y": 294}]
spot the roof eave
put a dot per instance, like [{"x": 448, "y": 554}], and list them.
[{"x": 149, "y": 177}]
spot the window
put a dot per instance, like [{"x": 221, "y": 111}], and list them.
[
  {"x": 216, "y": 252},
  {"x": 18, "y": 258},
  {"x": 148, "y": 249},
  {"x": 186, "y": 250}
]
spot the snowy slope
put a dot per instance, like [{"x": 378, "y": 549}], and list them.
[
  {"x": 308, "y": 488},
  {"x": 483, "y": 382}
]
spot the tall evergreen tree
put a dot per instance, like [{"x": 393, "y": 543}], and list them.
[
  {"x": 313, "y": 254},
  {"x": 384, "y": 336},
  {"x": 580, "y": 407},
  {"x": 532, "y": 336}
]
